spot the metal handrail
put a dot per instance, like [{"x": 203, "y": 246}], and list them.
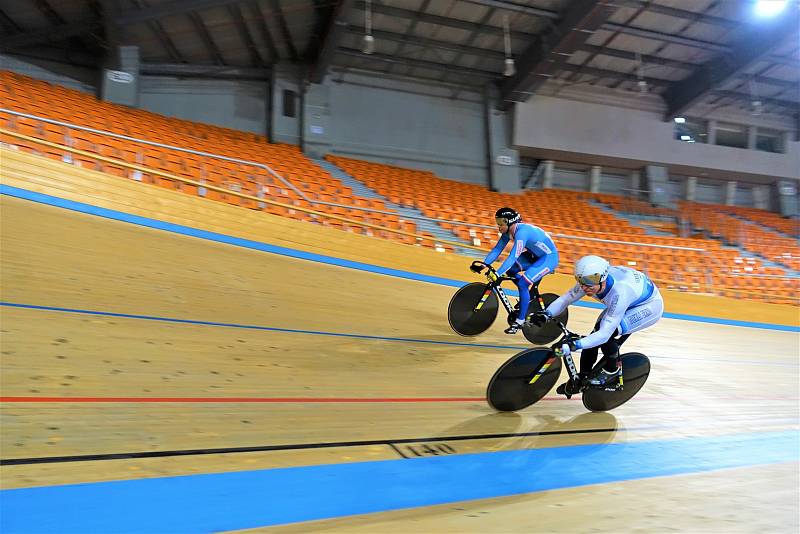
[
  {"x": 301, "y": 194},
  {"x": 227, "y": 191}
]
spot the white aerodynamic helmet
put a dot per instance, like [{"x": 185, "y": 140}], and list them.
[{"x": 591, "y": 270}]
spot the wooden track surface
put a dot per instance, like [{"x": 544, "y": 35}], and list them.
[{"x": 332, "y": 333}]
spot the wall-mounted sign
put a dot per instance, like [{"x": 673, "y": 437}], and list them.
[
  {"x": 504, "y": 160},
  {"x": 315, "y": 129},
  {"x": 119, "y": 76}
]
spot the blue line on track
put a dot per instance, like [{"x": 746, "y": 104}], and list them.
[
  {"x": 247, "y": 243},
  {"x": 250, "y": 499},
  {"x": 257, "y": 327},
  {"x": 348, "y": 335}
]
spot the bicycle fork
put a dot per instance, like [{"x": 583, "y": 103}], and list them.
[
  {"x": 573, "y": 373},
  {"x": 481, "y": 302}
]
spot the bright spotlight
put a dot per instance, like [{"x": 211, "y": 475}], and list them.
[
  {"x": 686, "y": 137},
  {"x": 679, "y": 120},
  {"x": 769, "y": 8}
]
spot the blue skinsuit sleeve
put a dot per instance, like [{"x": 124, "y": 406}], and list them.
[
  {"x": 521, "y": 238},
  {"x": 498, "y": 248}
]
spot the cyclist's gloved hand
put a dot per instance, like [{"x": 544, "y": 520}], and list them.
[
  {"x": 539, "y": 318},
  {"x": 476, "y": 268},
  {"x": 570, "y": 346}
]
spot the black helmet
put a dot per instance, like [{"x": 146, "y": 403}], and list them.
[{"x": 510, "y": 215}]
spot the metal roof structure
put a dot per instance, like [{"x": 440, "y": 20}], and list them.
[{"x": 688, "y": 52}]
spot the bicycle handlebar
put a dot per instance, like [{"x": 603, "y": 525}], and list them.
[
  {"x": 568, "y": 335},
  {"x": 491, "y": 273}
]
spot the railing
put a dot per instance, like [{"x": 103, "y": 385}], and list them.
[
  {"x": 676, "y": 282},
  {"x": 238, "y": 194}
]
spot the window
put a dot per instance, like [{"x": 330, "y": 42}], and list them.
[
  {"x": 289, "y": 106},
  {"x": 733, "y": 135},
  {"x": 769, "y": 140},
  {"x": 691, "y": 131}
]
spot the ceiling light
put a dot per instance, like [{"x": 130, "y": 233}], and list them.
[
  {"x": 369, "y": 44},
  {"x": 769, "y": 8},
  {"x": 686, "y": 137},
  {"x": 369, "y": 40},
  {"x": 509, "y": 69},
  {"x": 679, "y": 120}
]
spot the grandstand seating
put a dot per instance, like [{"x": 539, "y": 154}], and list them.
[
  {"x": 42, "y": 99},
  {"x": 691, "y": 264}
]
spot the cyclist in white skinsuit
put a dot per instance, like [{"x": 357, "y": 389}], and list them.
[{"x": 632, "y": 302}]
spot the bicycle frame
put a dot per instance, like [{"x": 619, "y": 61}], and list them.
[
  {"x": 570, "y": 362},
  {"x": 494, "y": 285}
]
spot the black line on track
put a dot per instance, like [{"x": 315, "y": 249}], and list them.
[{"x": 298, "y": 446}]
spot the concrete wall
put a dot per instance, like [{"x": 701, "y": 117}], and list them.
[
  {"x": 635, "y": 136},
  {"x": 409, "y": 125},
  {"x": 241, "y": 105},
  {"x": 72, "y": 77}
]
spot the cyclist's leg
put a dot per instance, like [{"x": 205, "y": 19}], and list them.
[
  {"x": 643, "y": 316},
  {"x": 634, "y": 320},
  {"x": 529, "y": 275},
  {"x": 589, "y": 356}
]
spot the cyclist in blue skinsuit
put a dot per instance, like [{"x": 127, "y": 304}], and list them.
[{"x": 532, "y": 257}]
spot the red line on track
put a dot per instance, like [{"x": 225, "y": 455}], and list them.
[{"x": 285, "y": 400}]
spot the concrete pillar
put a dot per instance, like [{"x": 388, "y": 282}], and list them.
[
  {"x": 730, "y": 193},
  {"x": 120, "y": 83},
  {"x": 656, "y": 178},
  {"x": 316, "y": 140},
  {"x": 786, "y": 139},
  {"x": 547, "y": 174},
  {"x": 502, "y": 161},
  {"x": 712, "y": 132},
  {"x": 691, "y": 188},
  {"x": 594, "y": 178},
  {"x": 635, "y": 184},
  {"x": 285, "y": 118},
  {"x": 751, "y": 137},
  {"x": 761, "y": 197}
]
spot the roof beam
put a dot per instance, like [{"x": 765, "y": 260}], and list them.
[
  {"x": 261, "y": 23},
  {"x": 656, "y": 60},
  {"x": 323, "y": 11},
  {"x": 624, "y": 54},
  {"x": 8, "y": 23},
  {"x": 177, "y": 7},
  {"x": 337, "y": 25},
  {"x": 694, "y": 16},
  {"x": 613, "y": 74},
  {"x": 52, "y": 34},
  {"x": 287, "y": 35},
  {"x": 204, "y": 71},
  {"x": 504, "y": 5},
  {"x": 789, "y": 104},
  {"x": 397, "y": 12},
  {"x": 544, "y": 56},
  {"x": 665, "y": 37},
  {"x": 415, "y": 40},
  {"x": 244, "y": 33},
  {"x": 689, "y": 41},
  {"x": 748, "y": 49},
  {"x": 162, "y": 36},
  {"x": 419, "y": 63},
  {"x": 205, "y": 36}
]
